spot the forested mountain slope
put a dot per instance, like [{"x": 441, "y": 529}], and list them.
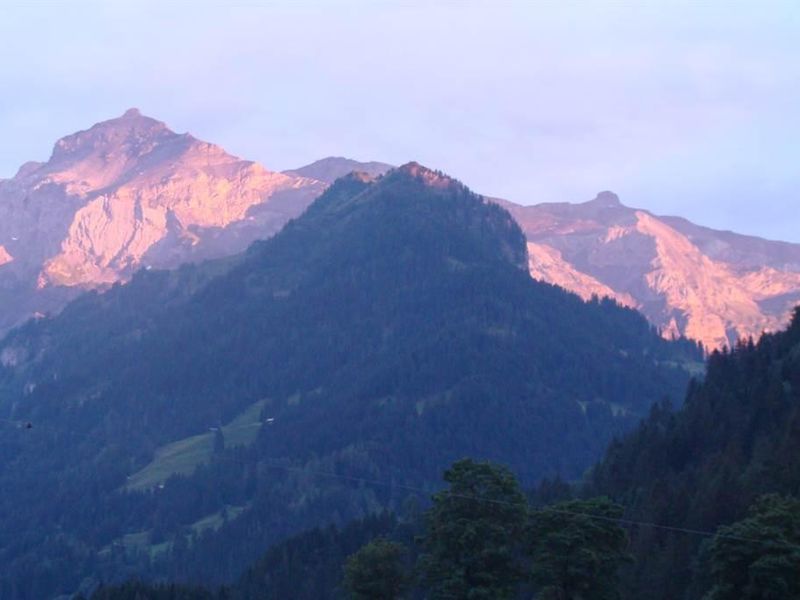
[
  {"x": 390, "y": 330},
  {"x": 736, "y": 438}
]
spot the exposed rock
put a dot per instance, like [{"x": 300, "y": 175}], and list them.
[
  {"x": 547, "y": 264},
  {"x": 128, "y": 193},
  {"x": 5, "y": 257},
  {"x": 713, "y": 286}
]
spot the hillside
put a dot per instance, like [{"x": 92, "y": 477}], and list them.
[
  {"x": 390, "y": 330},
  {"x": 737, "y": 437}
]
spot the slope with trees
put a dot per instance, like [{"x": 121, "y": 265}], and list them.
[
  {"x": 479, "y": 539},
  {"x": 389, "y": 331},
  {"x": 736, "y": 439}
]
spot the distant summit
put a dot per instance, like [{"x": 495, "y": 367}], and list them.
[
  {"x": 607, "y": 200},
  {"x": 332, "y": 168},
  {"x": 106, "y": 150}
]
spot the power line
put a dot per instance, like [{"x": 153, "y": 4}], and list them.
[
  {"x": 428, "y": 493},
  {"x": 618, "y": 520}
]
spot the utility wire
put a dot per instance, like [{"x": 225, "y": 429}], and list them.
[
  {"x": 618, "y": 520},
  {"x": 428, "y": 493}
]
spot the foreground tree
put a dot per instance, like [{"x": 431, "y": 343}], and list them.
[
  {"x": 758, "y": 558},
  {"x": 577, "y": 548},
  {"x": 377, "y": 571},
  {"x": 473, "y": 533}
]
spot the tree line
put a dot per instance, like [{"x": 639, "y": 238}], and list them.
[{"x": 482, "y": 538}]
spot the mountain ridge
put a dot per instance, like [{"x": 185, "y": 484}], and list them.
[{"x": 129, "y": 193}]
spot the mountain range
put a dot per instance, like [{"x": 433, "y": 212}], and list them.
[
  {"x": 129, "y": 193},
  {"x": 283, "y": 341}
]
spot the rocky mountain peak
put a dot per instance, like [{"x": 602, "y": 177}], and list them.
[
  {"x": 132, "y": 131},
  {"x": 126, "y": 193},
  {"x": 332, "y": 168},
  {"x": 606, "y": 199},
  {"x": 429, "y": 177},
  {"x": 103, "y": 153}
]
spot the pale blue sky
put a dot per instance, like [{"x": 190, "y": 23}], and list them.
[{"x": 689, "y": 108}]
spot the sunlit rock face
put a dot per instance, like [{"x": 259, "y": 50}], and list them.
[
  {"x": 125, "y": 194},
  {"x": 5, "y": 257},
  {"x": 713, "y": 286}
]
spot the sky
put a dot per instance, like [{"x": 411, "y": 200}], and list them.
[{"x": 686, "y": 108}]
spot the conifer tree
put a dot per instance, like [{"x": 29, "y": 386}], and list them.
[
  {"x": 377, "y": 572},
  {"x": 577, "y": 549},
  {"x": 758, "y": 557},
  {"x": 473, "y": 531}
]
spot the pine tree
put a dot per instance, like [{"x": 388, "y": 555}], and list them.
[
  {"x": 377, "y": 571},
  {"x": 758, "y": 557},
  {"x": 473, "y": 531},
  {"x": 577, "y": 549}
]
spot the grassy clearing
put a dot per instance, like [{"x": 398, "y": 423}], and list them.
[
  {"x": 693, "y": 367},
  {"x": 139, "y": 541},
  {"x": 184, "y": 456},
  {"x": 214, "y": 521}
]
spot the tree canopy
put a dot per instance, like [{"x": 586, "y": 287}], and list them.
[
  {"x": 758, "y": 557},
  {"x": 577, "y": 548},
  {"x": 377, "y": 571},
  {"x": 474, "y": 530}
]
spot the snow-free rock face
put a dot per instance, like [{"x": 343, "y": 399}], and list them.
[
  {"x": 126, "y": 194},
  {"x": 333, "y": 167},
  {"x": 712, "y": 286}
]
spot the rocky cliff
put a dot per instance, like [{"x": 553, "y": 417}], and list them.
[
  {"x": 712, "y": 286},
  {"x": 125, "y": 194}
]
